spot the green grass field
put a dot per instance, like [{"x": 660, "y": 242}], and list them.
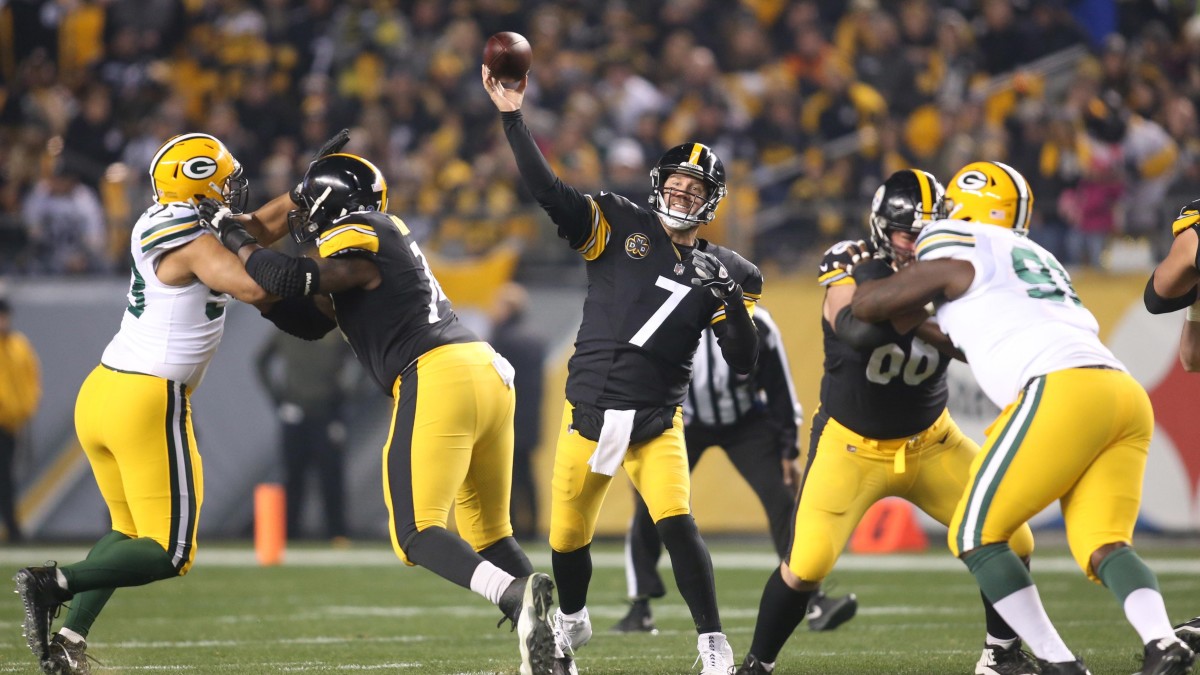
[{"x": 327, "y": 611}]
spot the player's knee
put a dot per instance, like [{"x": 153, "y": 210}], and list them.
[
  {"x": 1097, "y": 557},
  {"x": 812, "y": 560},
  {"x": 569, "y": 531}
]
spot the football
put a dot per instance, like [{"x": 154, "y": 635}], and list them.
[{"x": 508, "y": 55}]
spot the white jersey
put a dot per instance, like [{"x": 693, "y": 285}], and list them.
[
  {"x": 170, "y": 332},
  {"x": 1021, "y": 317}
]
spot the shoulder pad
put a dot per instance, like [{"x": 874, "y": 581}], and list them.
[
  {"x": 171, "y": 227},
  {"x": 946, "y": 239},
  {"x": 351, "y": 233}
]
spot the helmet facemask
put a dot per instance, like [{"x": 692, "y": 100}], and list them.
[
  {"x": 236, "y": 191},
  {"x": 678, "y": 218}
]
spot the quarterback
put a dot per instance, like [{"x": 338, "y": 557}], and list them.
[
  {"x": 653, "y": 287},
  {"x": 1009, "y": 306},
  {"x": 133, "y": 415}
]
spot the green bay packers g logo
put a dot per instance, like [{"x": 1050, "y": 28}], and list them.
[
  {"x": 637, "y": 245},
  {"x": 199, "y": 168},
  {"x": 972, "y": 181}
]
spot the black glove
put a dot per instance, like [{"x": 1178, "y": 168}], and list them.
[
  {"x": 217, "y": 218},
  {"x": 1188, "y": 217},
  {"x": 331, "y": 146},
  {"x": 711, "y": 274},
  {"x": 850, "y": 255}
]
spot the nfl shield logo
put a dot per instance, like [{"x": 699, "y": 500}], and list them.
[{"x": 678, "y": 269}]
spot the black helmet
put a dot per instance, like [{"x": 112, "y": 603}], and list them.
[
  {"x": 334, "y": 186},
  {"x": 907, "y": 201},
  {"x": 698, "y": 161}
]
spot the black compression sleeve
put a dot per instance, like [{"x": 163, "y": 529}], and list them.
[
  {"x": 300, "y": 317},
  {"x": 1156, "y": 304},
  {"x": 738, "y": 336},
  {"x": 283, "y": 275},
  {"x": 567, "y": 207},
  {"x": 861, "y": 335}
]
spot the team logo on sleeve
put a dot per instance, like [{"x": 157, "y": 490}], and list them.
[{"x": 637, "y": 245}]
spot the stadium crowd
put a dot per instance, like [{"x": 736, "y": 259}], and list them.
[{"x": 811, "y": 104}]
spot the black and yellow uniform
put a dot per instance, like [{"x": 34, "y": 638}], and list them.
[
  {"x": 451, "y": 437},
  {"x": 642, "y": 321}
]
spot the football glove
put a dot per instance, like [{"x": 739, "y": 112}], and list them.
[
  {"x": 218, "y": 219},
  {"x": 1188, "y": 216},
  {"x": 854, "y": 253},
  {"x": 331, "y": 146},
  {"x": 711, "y": 274}
]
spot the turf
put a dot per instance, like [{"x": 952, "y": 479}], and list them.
[{"x": 361, "y": 610}]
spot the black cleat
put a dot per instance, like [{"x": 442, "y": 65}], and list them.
[
  {"x": 1168, "y": 656},
  {"x": 638, "y": 620},
  {"x": 527, "y": 602},
  {"x": 1010, "y": 660},
  {"x": 752, "y": 666},
  {"x": 42, "y": 598},
  {"x": 827, "y": 613},
  {"x": 1075, "y": 667},
  {"x": 1189, "y": 632},
  {"x": 66, "y": 657}
]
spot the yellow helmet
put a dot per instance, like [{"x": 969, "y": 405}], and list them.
[
  {"x": 991, "y": 193},
  {"x": 190, "y": 167}
]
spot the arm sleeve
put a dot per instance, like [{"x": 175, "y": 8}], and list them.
[
  {"x": 1156, "y": 304},
  {"x": 775, "y": 380},
  {"x": 737, "y": 335},
  {"x": 860, "y": 335},
  {"x": 570, "y": 209}
]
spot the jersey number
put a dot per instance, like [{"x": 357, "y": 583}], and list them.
[
  {"x": 1045, "y": 276},
  {"x": 678, "y": 291},
  {"x": 888, "y": 361},
  {"x": 438, "y": 294}
]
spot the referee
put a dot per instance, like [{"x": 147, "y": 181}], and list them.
[{"x": 755, "y": 419}]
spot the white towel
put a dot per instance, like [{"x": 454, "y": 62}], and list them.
[
  {"x": 505, "y": 370},
  {"x": 613, "y": 443}
]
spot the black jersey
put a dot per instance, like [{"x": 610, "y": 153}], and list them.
[
  {"x": 405, "y": 316},
  {"x": 642, "y": 318},
  {"x": 897, "y": 389}
]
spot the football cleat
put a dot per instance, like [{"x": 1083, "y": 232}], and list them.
[
  {"x": 66, "y": 657},
  {"x": 827, "y": 613},
  {"x": 569, "y": 635},
  {"x": 716, "y": 656},
  {"x": 1010, "y": 660},
  {"x": 1168, "y": 656},
  {"x": 42, "y": 598},
  {"x": 1075, "y": 667},
  {"x": 752, "y": 666},
  {"x": 638, "y": 620},
  {"x": 531, "y": 619},
  {"x": 1189, "y": 632}
]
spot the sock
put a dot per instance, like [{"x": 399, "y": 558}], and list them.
[
  {"x": 1006, "y": 582},
  {"x": 87, "y": 605},
  {"x": 132, "y": 562},
  {"x": 572, "y": 575},
  {"x": 71, "y": 635},
  {"x": 1024, "y": 611},
  {"x": 993, "y": 641},
  {"x": 508, "y": 556},
  {"x": 780, "y": 610},
  {"x": 693, "y": 570},
  {"x": 490, "y": 581},
  {"x": 1136, "y": 588},
  {"x": 443, "y": 553},
  {"x": 998, "y": 632}
]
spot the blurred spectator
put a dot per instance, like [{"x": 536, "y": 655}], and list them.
[
  {"x": 1092, "y": 206},
  {"x": 308, "y": 381},
  {"x": 514, "y": 339},
  {"x": 20, "y": 390},
  {"x": 94, "y": 138},
  {"x": 66, "y": 226}
]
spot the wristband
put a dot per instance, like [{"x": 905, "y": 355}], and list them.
[{"x": 1193, "y": 312}]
